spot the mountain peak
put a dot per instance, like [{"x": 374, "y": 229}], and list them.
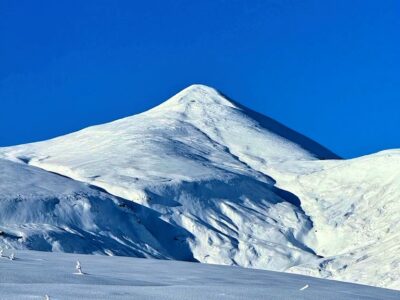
[
  {"x": 196, "y": 95},
  {"x": 199, "y": 88},
  {"x": 218, "y": 116}
]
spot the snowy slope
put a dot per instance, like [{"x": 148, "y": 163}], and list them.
[
  {"x": 44, "y": 211},
  {"x": 230, "y": 186},
  {"x": 355, "y": 209},
  {"x": 36, "y": 274}
]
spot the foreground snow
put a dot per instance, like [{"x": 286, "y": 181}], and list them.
[
  {"x": 36, "y": 274},
  {"x": 202, "y": 178}
]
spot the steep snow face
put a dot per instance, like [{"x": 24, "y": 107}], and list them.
[{"x": 43, "y": 211}]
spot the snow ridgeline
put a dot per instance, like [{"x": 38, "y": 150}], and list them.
[{"x": 211, "y": 181}]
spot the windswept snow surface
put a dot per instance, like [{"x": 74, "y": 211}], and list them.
[
  {"x": 36, "y": 274},
  {"x": 228, "y": 186}
]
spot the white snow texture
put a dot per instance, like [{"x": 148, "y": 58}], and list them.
[
  {"x": 202, "y": 178},
  {"x": 36, "y": 274}
]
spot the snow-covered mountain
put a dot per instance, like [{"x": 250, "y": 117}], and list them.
[{"x": 212, "y": 181}]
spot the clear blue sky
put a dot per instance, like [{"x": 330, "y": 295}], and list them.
[{"x": 328, "y": 69}]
